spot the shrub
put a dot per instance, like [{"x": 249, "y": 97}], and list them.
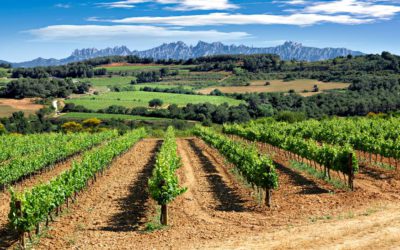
[
  {"x": 91, "y": 123},
  {"x": 155, "y": 103},
  {"x": 71, "y": 127}
]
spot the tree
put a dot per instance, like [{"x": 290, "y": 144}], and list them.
[
  {"x": 155, "y": 103},
  {"x": 216, "y": 92},
  {"x": 71, "y": 127},
  {"x": 315, "y": 88},
  {"x": 20, "y": 123},
  {"x": 82, "y": 88}
]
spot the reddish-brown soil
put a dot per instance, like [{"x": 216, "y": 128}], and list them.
[
  {"x": 218, "y": 211},
  {"x": 279, "y": 86}
]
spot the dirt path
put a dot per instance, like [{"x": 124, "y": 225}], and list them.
[
  {"x": 6, "y": 236},
  {"x": 380, "y": 230}
]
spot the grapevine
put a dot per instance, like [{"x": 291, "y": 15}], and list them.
[{"x": 257, "y": 170}]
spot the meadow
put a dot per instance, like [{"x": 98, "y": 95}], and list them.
[{"x": 141, "y": 99}]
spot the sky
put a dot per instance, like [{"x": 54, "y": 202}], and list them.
[{"x": 54, "y": 28}]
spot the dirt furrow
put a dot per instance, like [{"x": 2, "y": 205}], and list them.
[{"x": 112, "y": 210}]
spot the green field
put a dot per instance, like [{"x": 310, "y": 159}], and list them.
[
  {"x": 108, "y": 81},
  {"x": 141, "y": 99},
  {"x": 83, "y": 116},
  {"x": 136, "y": 68}
]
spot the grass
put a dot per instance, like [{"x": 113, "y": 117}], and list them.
[
  {"x": 302, "y": 167},
  {"x": 141, "y": 99},
  {"x": 84, "y": 116},
  {"x": 298, "y": 86},
  {"x": 346, "y": 215},
  {"x": 108, "y": 81}
]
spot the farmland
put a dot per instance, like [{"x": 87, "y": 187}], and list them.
[
  {"x": 261, "y": 170},
  {"x": 136, "y": 68},
  {"x": 9, "y": 106},
  {"x": 224, "y": 191},
  {"x": 139, "y": 99},
  {"x": 108, "y": 81},
  {"x": 303, "y": 87}
]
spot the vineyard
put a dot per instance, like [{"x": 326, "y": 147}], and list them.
[{"x": 216, "y": 188}]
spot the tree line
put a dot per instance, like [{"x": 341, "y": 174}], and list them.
[{"x": 43, "y": 87}]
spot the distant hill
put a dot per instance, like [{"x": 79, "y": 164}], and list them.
[{"x": 180, "y": 50}]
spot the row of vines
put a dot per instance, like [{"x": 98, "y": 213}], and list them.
[
  {"x": 32, "y": 207},
  {"x": 377, "y": 137},
  {"x": 332, "y": 157},
  {"x": 48, "y": 151},
  {"x": 163, "y": 184},
  {"x": 257, "y": 170}
]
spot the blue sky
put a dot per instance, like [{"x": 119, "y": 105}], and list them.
[{"x": 33, "y": 28}]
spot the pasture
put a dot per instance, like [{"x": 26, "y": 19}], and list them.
[{"x": 141, "y": 99}]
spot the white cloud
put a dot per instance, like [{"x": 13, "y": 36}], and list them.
[
  {"x": 242, "y": 19},
  {"x": 181, "y": 5},
  {"x": 63, "y": 6},
  {"x": 130, "y": 33},
  {"x": 127, "y": 4},
  {"x": 355, "y": 7}
]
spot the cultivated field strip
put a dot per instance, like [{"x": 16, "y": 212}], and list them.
[
  {"x": 48, "y": 155},
  {"x": 32, "y": 207},
  {"x": 113, "y": 209}
]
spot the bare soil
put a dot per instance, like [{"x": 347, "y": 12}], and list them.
[
  {"x": 220, "y": 212},
  {"x": 8, "y": 106},
  {"x": 279, "y": 86}
]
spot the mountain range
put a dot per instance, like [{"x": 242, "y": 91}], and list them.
[{"x": 180, "y": 50}]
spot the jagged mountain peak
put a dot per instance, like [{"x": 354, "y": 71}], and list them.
[{"x": 180, "y": 50}]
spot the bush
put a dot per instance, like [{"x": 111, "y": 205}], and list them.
[
  {"x": 155, "y": 103},
  {"x": 71, "y": 127},
  {"x": 291, "y": 117},
  {"x": 91, "y": 123}
]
